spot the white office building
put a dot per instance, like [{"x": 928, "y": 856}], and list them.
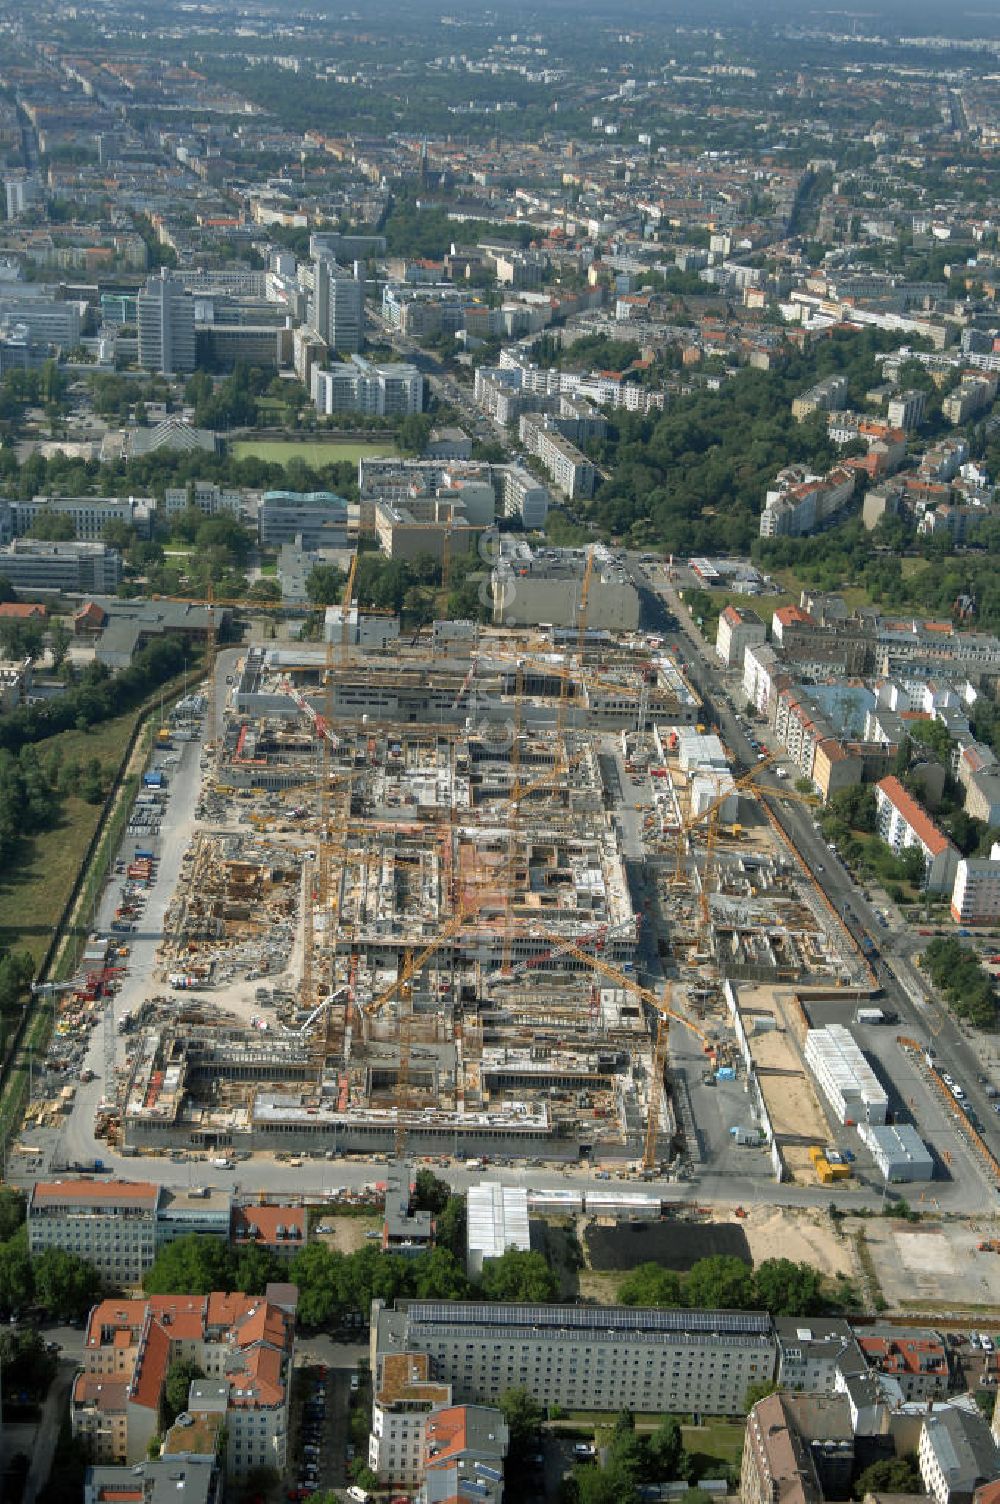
[
  {"x": 975, "y": 898},
  {"x": 166, "y": 325},
  {"x": 337, "y": 309},
  {"x": 392, "y": 390}
]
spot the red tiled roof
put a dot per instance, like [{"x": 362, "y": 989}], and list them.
[
  {"x": 786, "y": 615},
  {"x": 151, "y": 1368},
  {"x": 447, "y": 1434},
  {"x": 265, "y": 1220},
  {"x": 95, "y": 1193},
  {"x": 916, "y": 818},
  {"x": 21, "y": 610}
]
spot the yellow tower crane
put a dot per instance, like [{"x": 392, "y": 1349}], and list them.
[{"x": 663, "y": 1013}]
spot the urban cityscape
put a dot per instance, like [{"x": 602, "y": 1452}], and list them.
[{"x": 499, "y": 753}]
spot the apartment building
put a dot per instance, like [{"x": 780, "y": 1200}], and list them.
[
  {"x": 243, "y": 1344},
  {"x": 205, "y": 496},
  {"x": 194, "y": 1479},
  {"x": 799, "y": 502},
  {"x": 598, "y": 1358},
  {"x": 89, "y": 515},
  {"x": 974, "y": 395},
  {"x": 906, "y": 410},
  {"x": 917, "y": 1359},
  {"x": 393, "y": 390},
  {"x": 777, "y": 1464},
  {"x": 407, "y": 1230},
  {"x": 523, "y": 496},
  {"x": 569, "y": 467},
  {"x": 956, "y": 1455},
  {"x": 762, "y": 671},
  {"x": 112, "y": 1224},
  {"x": 465, "y": 1450},
  {"x": 811, "y": 1354},
  {"x": 739, "y": 628},
  {"x": 403, "y": 1397},
  {"x": 825, "y": 396},
  {"x": 975, "y": 897},
  {"x": 902, "y": 824}
]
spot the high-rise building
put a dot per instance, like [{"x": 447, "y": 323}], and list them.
[
  {"x": 337, "y": 308},
  {"x": 166, "y": 325}
]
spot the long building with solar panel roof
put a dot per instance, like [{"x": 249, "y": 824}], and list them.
[{"x": 585, "y": 1357}]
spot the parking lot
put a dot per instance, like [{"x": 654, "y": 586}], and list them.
[{"x": 326, "y": 1398}]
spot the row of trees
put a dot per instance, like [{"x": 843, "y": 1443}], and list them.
[
  {"x": 723, "y": 1282},
  {"x": 96, "y": 696},
  {"x": 956, "y": 971},
  {"x": 332, "y": 1284}
]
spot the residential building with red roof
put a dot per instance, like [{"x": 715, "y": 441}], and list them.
[
  {"x": 917, "y": 1359},
  {"x": 111, "y": 1223},
  {"x": 244, "y": 1346},
  {"x": 464, "y": 1454},
  {"x": 23, "y": 611},
  {"x": 903, "y": 823},
  {"x": 281, "y": 1230},
  {"x": 739, "y": 628}
]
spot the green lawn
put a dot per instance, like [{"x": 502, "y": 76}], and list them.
[
  {"x": 312, "y": 452},
  {"x": 721, "y": 1441},
  {"x": 32, "y": 897}
]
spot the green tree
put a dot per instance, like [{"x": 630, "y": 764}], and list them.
[
  {"x": 785, "y": 1288},
  {"x": 66, "y": 1286},
  {"x": 721, "y": 1282},
  {"x": 451, "y": 1226},
  {"x": 651, "y": 1285},
  {"x": 325, "y": 585},
  {"x": 757, "y": 1392},
  {"x": 413, "y": 433},
  {"x": 52, "y": 526},
  {"x": 316, "y": 1270},
  {"x": 666, "y": 1450},
  {"x": 176, "y": 1386},
  {"x": 27, "y": 1366},
  {"x": 13, "y": 1210},
  {"x": 438, "y": 1275},
  {"x": 890, "y": 1475},
  {"x": 519, "y": 1275},
  {"x": 17, "y": 1285},
  {"x": 430, "y": 1192},
  {"x": 258, "y": 1482},
  {"x": 193, "y": 1265},
  {"x": 60, "y": 638},
  {"x": 523, "y": 1415}
]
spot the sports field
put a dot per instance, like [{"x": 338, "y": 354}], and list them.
[{"x": 314, "y": 453}]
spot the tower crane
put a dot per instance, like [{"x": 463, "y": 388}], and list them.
[
  {"x": 581, "y": 637},
  {"x": 711, "y": 810},
  {"x": 663, "y": 1013}
]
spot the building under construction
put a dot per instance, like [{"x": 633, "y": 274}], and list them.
[{"x": 412, "y": 899}]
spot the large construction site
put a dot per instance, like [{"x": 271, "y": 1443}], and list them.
[{"x": 476, "y": 896}]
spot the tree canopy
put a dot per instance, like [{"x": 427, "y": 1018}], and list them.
[{"x": 780, "y": 1286}]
